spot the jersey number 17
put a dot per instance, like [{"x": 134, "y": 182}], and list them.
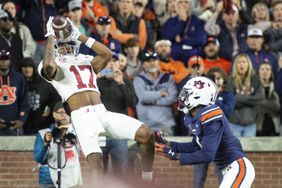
[{"x": 80, "y": 84}]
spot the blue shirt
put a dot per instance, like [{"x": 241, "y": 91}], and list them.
[{"x": 212, "y": 139}]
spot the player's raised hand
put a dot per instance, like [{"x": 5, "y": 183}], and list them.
[
  {"x": 75, "y": 31},
  {"x": 49, "y": 27},
  {"x": 166, "y": 151},
  {"x": 159, "y": 137}
]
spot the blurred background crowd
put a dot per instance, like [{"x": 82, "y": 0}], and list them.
[{"x": 157, "y": 46}]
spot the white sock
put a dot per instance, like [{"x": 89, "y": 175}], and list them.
[{"x": 147, "y": 176}]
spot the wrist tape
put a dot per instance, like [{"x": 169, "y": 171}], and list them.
[{"x": 90, "y": 41}]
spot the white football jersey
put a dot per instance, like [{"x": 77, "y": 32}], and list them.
[{"x": 74, "y": 74}]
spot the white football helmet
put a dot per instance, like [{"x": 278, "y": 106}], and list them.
[{"x": 197, "y": 91}]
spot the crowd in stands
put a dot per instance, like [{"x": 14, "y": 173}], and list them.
[
  {"x": 160, "y": 44},
  {"x": 157, "y": 46}
]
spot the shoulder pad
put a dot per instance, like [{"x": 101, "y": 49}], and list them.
[{"x": 211, "y": 113}]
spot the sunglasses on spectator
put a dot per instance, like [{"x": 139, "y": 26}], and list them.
[
  {"x": 75, "y": 9},
  {"x": 4, "y": 55},
  {"x": 104, "y": 21},
  {"x": 6, "y": 19}
]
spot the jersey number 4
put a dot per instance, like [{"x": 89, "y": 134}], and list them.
[{"x": 80, "y": 84}]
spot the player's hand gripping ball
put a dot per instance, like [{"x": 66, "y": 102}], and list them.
[{"x": 62, "y": 28}]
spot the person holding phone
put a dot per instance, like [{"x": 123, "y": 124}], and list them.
[{"x": 117, "y": 94}]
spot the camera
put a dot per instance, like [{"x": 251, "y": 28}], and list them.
[{"x": 57, "y": 135}]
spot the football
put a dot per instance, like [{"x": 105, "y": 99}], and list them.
[{"x": 62, "y": 27}]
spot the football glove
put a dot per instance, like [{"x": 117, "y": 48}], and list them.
[
  {"x": 49, "y": 27},
  {"x": 159, "y": 137},
  {"x": 75, "y": 33},
  {"x": 166, "y": 151}
]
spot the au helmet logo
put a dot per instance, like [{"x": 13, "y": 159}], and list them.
[{"x": 199, "y": 84}]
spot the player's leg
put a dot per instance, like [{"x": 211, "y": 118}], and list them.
[
  {"x": 120, "y": 126},
  {"x": 239, "y": 173},
  {"x": 145, "y": 138},
  {"x": 88, "y": 127},
  {"x": 200, "y": 175}
]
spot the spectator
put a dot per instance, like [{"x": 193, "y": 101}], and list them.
[
  {"x": 10, "y": 41},
  {"x": 260, "y": 16},
  {"x": 74, "y": 14},
  {"x": 245, "y": 85},
  {"x": 117, "y": 93},
  {"x": 278, "y": 87},
  {"x": 225, "y": 100},
  {"x": 256, "y": 52},
  {"x": 196, "y": 66},
  {"x": 170, "y": 66},
  {"x": 156, "y": 92},
  {"x": 21, "y": 30},
  {"x": 132, "y": 51},
  {"x": 206, "y": 10},
  {"x": 212, "y": 58},
  {"x": 92, "y": 10},
  {"x": 273, "y": 34},
  {"x": 188, "y": 35},
  {"x": 13, "y": 99},
  {"x": 46, "y": 152},
  {"x": 41, "y": 98},
  {"x": 268, "y": 121},
  {"x": 126, "y": 25},
  {"x": 150, "y": 21},
  {"x": 230, "y": 32},
  {"x": 165, "y": 10},
  {"x": 35, "y": 18},
  {"x": 102, "y": 35}
]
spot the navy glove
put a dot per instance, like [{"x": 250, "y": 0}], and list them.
[
  {"x": 166, "y": 151},
  {"x": 159, "y": 137}
]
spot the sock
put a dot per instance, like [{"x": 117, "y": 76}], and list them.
[{"x": 147, "y": 176}]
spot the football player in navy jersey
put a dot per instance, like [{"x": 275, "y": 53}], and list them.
[{"x": 212, "y": 137}]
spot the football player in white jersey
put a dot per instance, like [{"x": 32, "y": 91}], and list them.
[{"x": 74, "y": 77}]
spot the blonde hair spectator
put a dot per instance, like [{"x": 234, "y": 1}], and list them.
[{"x": 242, "y": 77}]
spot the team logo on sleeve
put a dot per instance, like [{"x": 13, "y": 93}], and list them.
[{"x": 7, "y": 95}]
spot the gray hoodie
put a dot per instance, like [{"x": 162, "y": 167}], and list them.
[{"x": 152, "y": 108}]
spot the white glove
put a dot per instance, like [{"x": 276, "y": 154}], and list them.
[
  {"x": 75, "y": 33},
  {"x": 49, "y": 27}
]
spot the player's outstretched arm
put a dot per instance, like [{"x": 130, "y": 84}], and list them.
[
  {"x": 104, "y": 54},
  {"x": 49, "y": 65}
]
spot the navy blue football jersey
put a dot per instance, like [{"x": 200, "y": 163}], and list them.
[{"x": 212, "y": 140}]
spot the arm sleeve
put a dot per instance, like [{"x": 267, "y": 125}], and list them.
[
  {"x": 171, "y": 98},
  {"x": 40, "y": 151},
  {"x": 23, "y": 102},
  {"x": 278, "y": 82},
  {"x": 174, "y": 23},
  {"x": 129, "y": 95},
  {"x": 142, "y": 34},
  {"x": 122, "y": 38},
  {"x": 29, "y": 45},
  {"x": 210, "y": 142},
  {"x": 146, "y": 97},
  {"x": 227, "y": 104},
  {"x": 187, "y": 147},
  {"x": 211, "y": 27}
]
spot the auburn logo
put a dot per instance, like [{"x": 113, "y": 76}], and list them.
[
  {"x": 199, "y": 84},
  {"x": 7, "y": 95}
]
